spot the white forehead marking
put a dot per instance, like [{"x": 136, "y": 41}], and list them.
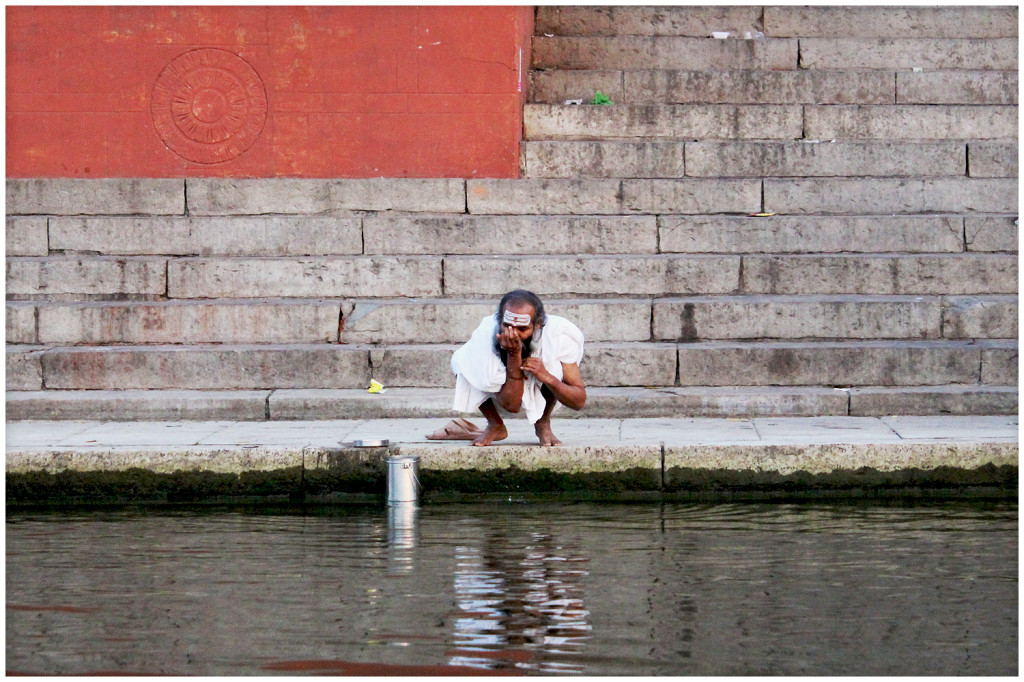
[{"x": 516, "y": 320}]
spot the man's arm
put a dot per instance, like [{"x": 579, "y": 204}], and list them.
[
  {"x": 569, "y": 391},
  {"x": 510, "y": 396}
]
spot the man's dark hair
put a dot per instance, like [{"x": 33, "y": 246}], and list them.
[
  {"x": 523, "y": 296},
  {"x": 539, "y": 318}
]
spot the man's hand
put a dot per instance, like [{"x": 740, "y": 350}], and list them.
[
  {"x": 510, "y": 341},
  {"x": 535, "y": 367}
]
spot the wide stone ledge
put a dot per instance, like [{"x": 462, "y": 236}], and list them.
[
  {"x": 137, "y": 405},
  {"x": 980, "y": 317},
  {"x": 827, "y": 234},
  {"x": 661, "y": 52},
  {"x": 956, "y": 87},
  {"x": 106, "y": 196},
  {"x": 992, "y": 160},
  {"x": 560, "y": 459},
  {"x": 797, "y": 317},
  {"x": 752, "y": 87},
  {"x": 859, "y": 196},
  {"x": 908, "y": 53},
  {"x": 895, "y": 274},
  {"x": 991, "y": 233},
  {"x": 592, "y": 275},
  {"x": 597, "y": 159},
  {"x": 827, "y": 158},
  {"x": 85, "y": 276},
  {"x": 629, "y": 20},
  {"x": 304, "y": 277},
  {"x": 828, "y": 363},
  {"x": 453, "y": 321},
  {"x": 891, "y": 22},
  {"x": 653, "y": 121},
  {"x": 928, "y": 400},
  {"x": 508, "y": 234},
  {"x": 157, "y": 459},
  {"x": 27, "y": 236},
  {"x": 910, "y": 122},
  {"x": 209, "y": 236},
  {"x": 209, "y": 196},
  {"x": 190, "y": 322}
]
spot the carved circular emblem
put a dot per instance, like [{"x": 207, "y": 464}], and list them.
[{"x": 209, "y": 105}]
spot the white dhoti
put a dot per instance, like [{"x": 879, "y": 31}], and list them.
[{"x": 479, "y": 374}]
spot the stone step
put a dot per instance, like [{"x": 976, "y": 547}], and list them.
[
  {"x": 606, "y": 159},
  {"x": 403, "y": 321},
  {"x": 662, "y": 52},
  {"x": 667, "y": 364},
  {"x": 547, "y": 275},
  {"x": 783, "y": 21},
  {"x": 904, "y": 54},
  {"x": 394, "y": 403},
  {"x": 783, "y": 122}
]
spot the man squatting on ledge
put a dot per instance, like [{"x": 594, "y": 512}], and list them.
[{"x": 519, "y": 358}]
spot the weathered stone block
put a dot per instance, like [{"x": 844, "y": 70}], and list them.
[
  {"x": 106, "y": 196},
  {"x": 70, "y": 275},
  {"x": 394, "y": 403},
  {"x": 929, "y": 400},
  {"x": 189, "y": 322},
  {"x": 414, "y": 365},
  {"x": 713, "y": 401},
  {"x": 207, "y": 367},
  {"x": 509, "y": 234},
  {"x": 992, "y": 160},
  {"x": 556, "y": 86},
  {"x": 988, "y": 317},
  {"x": 911, "y": 122},
  {"x": 879, "y": 274},
  {"x": 864, "y": 363},
  {"x": 21, "y": 323},
  {"x": 999, "y": 363},
  {"x": 543, "y": 196},
  {"x": 891, "y": 22},
  {"x": 884, "y": 195},
  {"x": 796, "y": 317},
  {"x": 661, "y": 52},
  {"x": 956, "y": 87},
  {"x": 756, "y": 87},
  {"x": 23, "y": 369},
  {"x": 558, "y": 159},
  {"x": 811, "y": 234},
  {"x": 908, "y": 53},
  {"x": 803, "y": 159},
  {"x": 594, "y": 275},
  {"x": 138, "y": 405},
  {"x": 688, "y": 195},
  {"x": 991, "y": 233},
  {"x": 652, "y": 121},
  {"x": 216, "y": 196},
  {"x": 629, "y": 364},
  {"x": 453, "y": 321},
  {"x": 304, "y": 277},
  {"x": 27, "y": 236},
  {"x": 630, "y": 20},
  {"x": 248, "y": 236}
]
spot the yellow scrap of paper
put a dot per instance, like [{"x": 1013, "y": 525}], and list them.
[
  {"x": 375, "y": 386},
  {"x": 762, "y": 215}
]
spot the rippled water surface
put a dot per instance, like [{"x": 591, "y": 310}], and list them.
[{"x": 551, "y": 589}]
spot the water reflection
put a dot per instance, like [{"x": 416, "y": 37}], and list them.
[
  {"x": 525, "y": 609},
  {"x": 401, "y": 536}
]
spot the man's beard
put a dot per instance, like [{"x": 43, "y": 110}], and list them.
[{"x": 503, "y": 354}]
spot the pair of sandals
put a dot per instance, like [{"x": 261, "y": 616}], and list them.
[{"x": 456, "y": 429}]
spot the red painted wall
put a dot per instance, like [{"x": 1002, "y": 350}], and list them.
[{"x": 266, "y": 91}]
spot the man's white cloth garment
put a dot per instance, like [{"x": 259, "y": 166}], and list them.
[{"x": 479, "y": 374}]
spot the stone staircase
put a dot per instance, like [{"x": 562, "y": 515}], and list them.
[{"x": 819, "y": 220}]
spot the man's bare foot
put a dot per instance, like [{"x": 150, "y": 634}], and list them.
[
  {"x": 492, "y": 433},
  {"x": 545, "y": 434}
]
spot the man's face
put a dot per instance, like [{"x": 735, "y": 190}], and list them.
[{"x": 524, "y": 331}]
